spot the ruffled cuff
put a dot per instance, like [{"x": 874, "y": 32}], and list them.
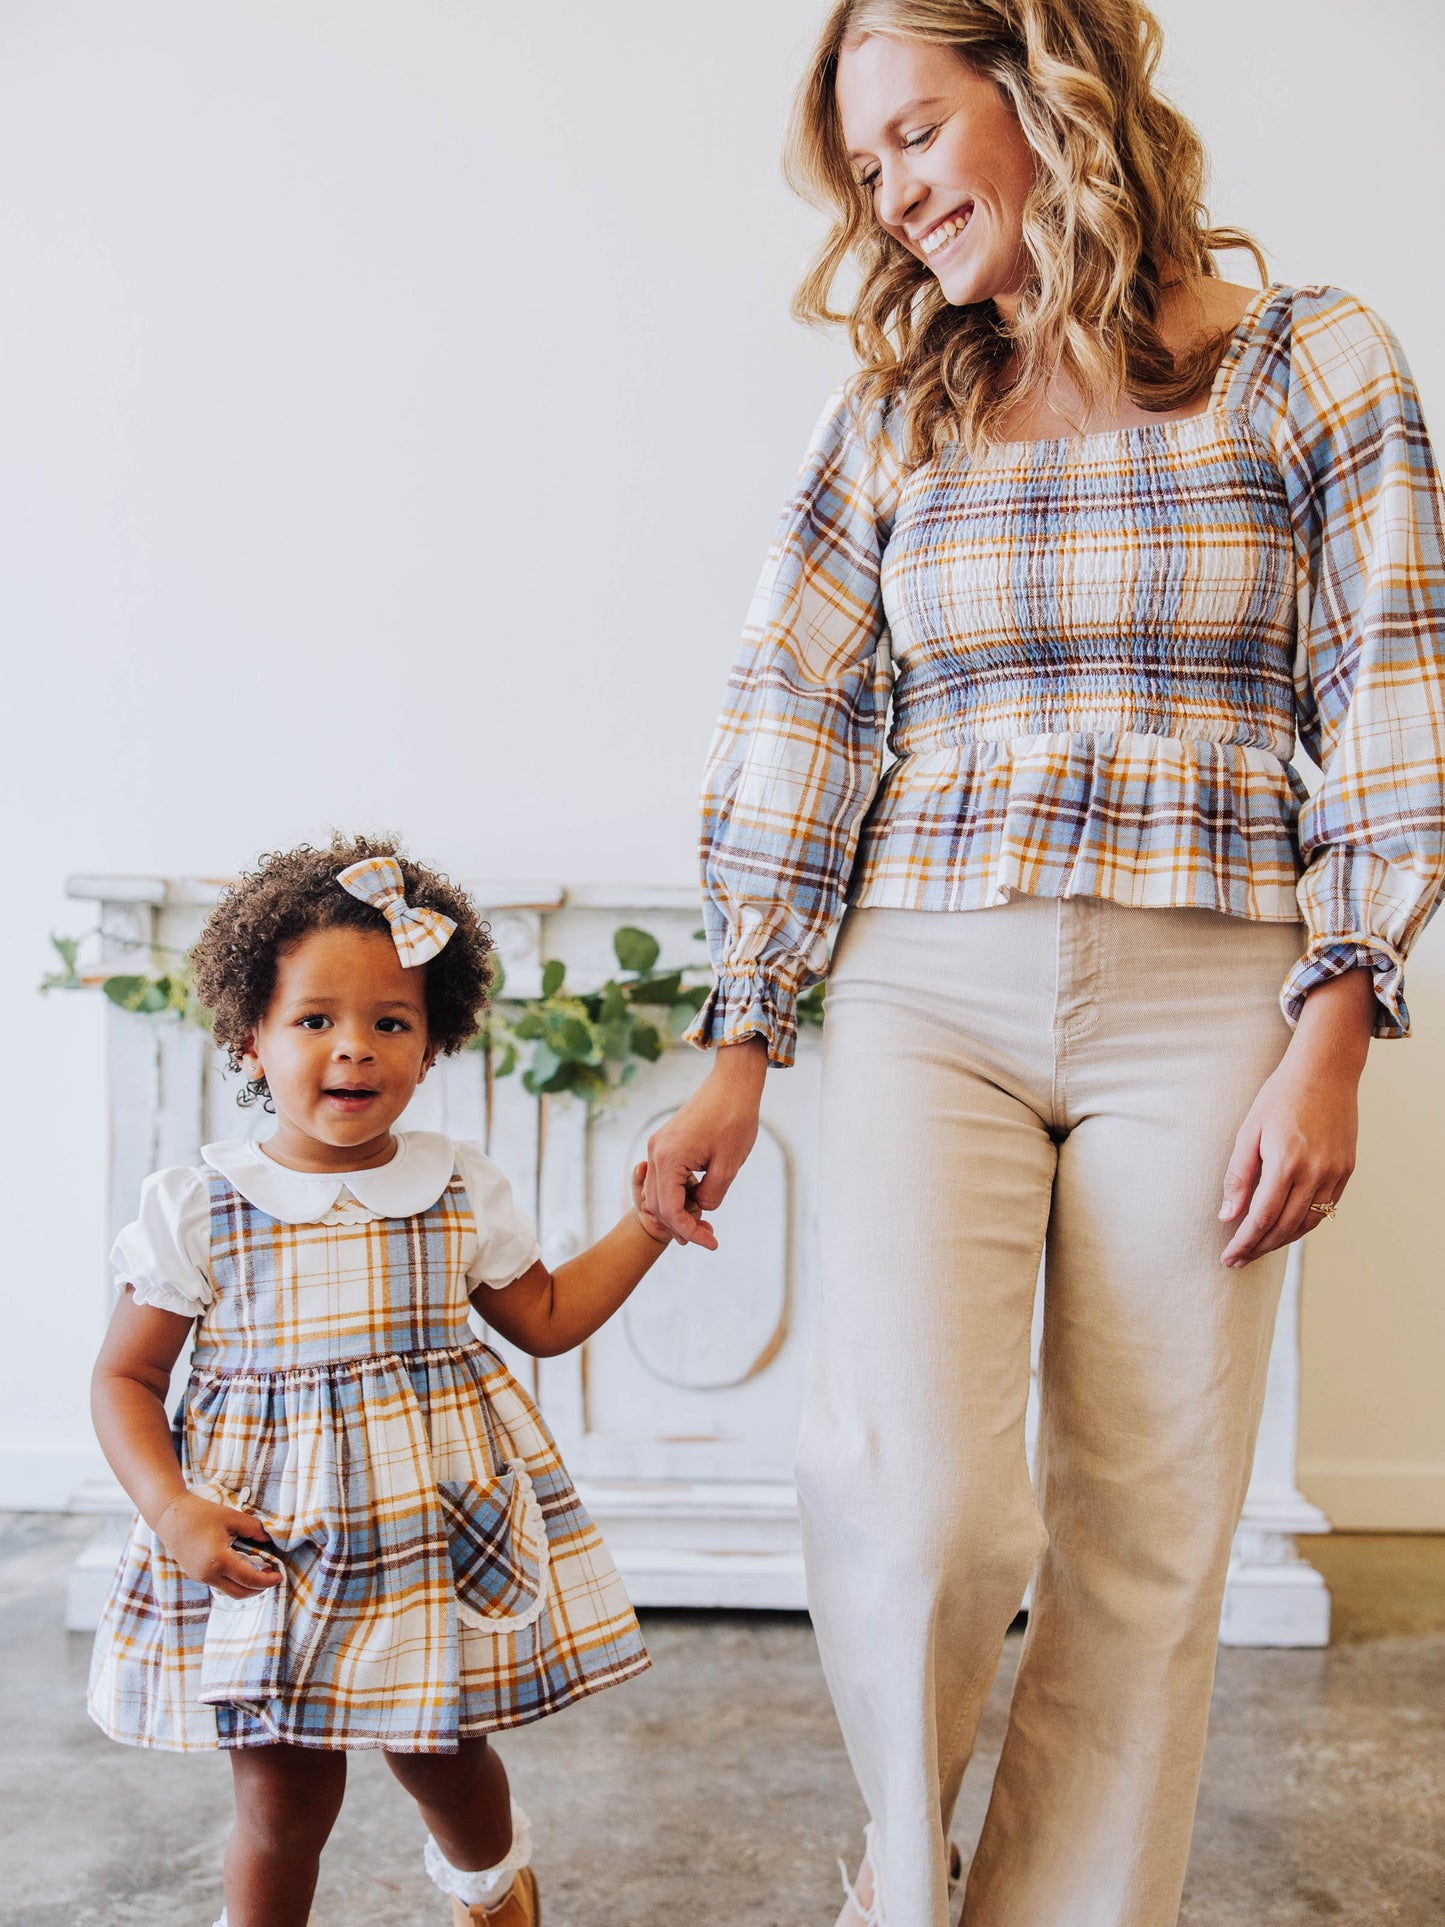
[
  {"x": 1329, "y": 957},
  {"x": 745, "y": 1004}
]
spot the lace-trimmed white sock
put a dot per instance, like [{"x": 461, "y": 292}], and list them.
[
  {"x": 474, "y": 1889},
  {"x": 491, "y": 1883}
]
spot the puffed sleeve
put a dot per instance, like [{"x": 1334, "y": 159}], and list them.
[
  {"x": 798, "y": 748},
  {"x": 1365, "y": 501},
  {"x": 164, "y": 1253},
  {"x": 506, "y": 1240}
]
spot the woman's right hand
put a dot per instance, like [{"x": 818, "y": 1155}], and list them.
[
  {"x": 197, "y": 1533},
  {"x": 711, "y": 1135}
]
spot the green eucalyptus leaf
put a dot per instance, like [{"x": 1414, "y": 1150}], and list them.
[
  {"x": 155, "y": 997},
  {"x": 699, "y": 936},
  {"x": 810, "y": 1005},
  {"x": 125, "y": 991},
  {"x": 553, "y": 972},
  {"x": 614, "y": 1039},
  {"x": 614, "y": 1004},
  {"x": 562, "y": 1079},
  {"x": 647, "y": 1041},
  {"x": 692, "y": 997},
  {"x": 572, "y": 1038},
  {"x": 497, "y": 975},
  {"x": 505, "y": 1061},
  {"x": 544, "y": 1062},
  {"x": 635, "y": 949},
  {"x": 557, "y": 1079},
  {"x": 657, "y": 990},
  {"x": 67, "y": 977},
  {"x": 530, "y": 1026}
]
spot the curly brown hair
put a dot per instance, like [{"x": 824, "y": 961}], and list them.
[{"x": 291, "y": 892}]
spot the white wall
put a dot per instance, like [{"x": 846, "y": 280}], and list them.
[
  {"x": 1324, "y": 120},
  {"x": 394, "y": 406}
]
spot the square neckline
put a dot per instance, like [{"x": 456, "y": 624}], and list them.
[{"x": 1238, "y": 334}]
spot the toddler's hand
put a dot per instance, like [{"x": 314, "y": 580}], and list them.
[
  {"x": 197, "y": 1533},
  {"x": 651, "y": 1224}
]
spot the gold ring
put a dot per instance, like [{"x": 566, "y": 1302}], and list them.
[{"x": 1325, "y": 1210}]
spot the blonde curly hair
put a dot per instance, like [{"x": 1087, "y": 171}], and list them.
[{"x": 1116, "y": 214}]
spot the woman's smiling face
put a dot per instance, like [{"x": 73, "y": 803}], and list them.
[{"x": 941, "y": 151}]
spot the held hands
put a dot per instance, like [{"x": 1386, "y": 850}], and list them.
[
  {"x": 694, "y": 1157},
  {"x": 653, "y": 1226},
  {"x": 197, "y": 1533}
]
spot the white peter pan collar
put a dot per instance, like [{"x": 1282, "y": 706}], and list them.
[{"x": 414, "y": 1179}]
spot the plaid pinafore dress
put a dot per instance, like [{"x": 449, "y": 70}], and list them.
[{"x": 441, "y": 1578}]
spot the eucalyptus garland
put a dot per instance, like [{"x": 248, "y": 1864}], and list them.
[{"x": 589, "y": 1043}]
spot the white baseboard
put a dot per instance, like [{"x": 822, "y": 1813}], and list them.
[
  {"x": 749, "y": 1581},
  {"x": 1274, "y": 1602},
  {"x": 1362, "y": 1497},
  {"x": 42, "y": 1479}
]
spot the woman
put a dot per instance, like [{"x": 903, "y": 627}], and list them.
[{"x": 1109, "y": 533}]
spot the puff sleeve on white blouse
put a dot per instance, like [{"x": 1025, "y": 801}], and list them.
[
  {"x": 164, "y": 1253},
  {"x": 506, "y": 1240}
]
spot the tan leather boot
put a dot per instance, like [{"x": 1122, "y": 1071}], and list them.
[{"x": 518, "y": 1908}]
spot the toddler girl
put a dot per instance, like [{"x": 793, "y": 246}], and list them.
[{"x": 359, "y": 1533}]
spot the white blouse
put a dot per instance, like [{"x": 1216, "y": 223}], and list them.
[{"x": 164, "y": 1254}]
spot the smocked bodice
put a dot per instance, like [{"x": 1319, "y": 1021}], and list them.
[
  {"x": 1140, "y": 582},
  {"x": 1090, "y": 661}
]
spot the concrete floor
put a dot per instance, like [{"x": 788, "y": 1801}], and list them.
[{"x": 714, "y": 1792}]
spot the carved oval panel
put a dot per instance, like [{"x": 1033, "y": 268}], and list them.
[{"x": 705, "y": 1320}]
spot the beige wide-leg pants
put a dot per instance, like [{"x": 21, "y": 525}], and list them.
[{"x": 1072, "y": 1072}]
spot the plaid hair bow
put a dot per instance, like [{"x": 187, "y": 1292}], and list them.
[{"x": 417, "y": 933}]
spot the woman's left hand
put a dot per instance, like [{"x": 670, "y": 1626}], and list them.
[{"x": 1296, "y": 1148}]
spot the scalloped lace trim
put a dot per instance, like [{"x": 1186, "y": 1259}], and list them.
[
  {"x": 490, "y": 1883},
  {"x": 535, "y": 1527}
]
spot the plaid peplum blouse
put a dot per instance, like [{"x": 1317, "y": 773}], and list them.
[{"x": 1084, "y": 667}]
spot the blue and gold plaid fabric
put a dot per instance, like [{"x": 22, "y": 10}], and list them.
[
  {"x": 418, "y": 933},
  {"x": 1100, "y": 655},
  {"x": 441, "y": 1577}
]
